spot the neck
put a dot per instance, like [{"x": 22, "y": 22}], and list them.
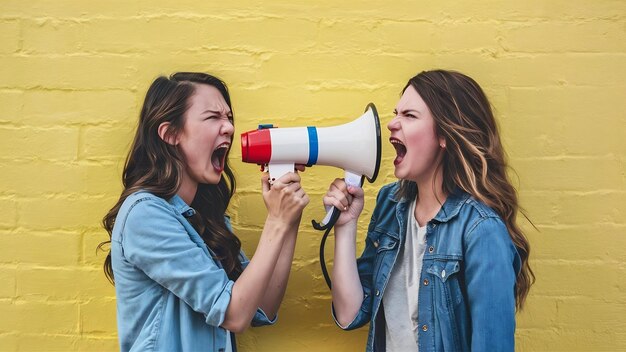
[
  {"x": 430, "y": 198},
  {"x": 188, "y": 189}
]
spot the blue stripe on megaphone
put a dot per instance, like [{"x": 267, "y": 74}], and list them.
[{"x": 313, "y": 146}]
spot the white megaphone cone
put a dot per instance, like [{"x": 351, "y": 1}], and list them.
[{"x": 354, "y": 147}]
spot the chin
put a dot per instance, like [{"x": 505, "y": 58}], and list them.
[
  {"x": 212, "y": 179},
  {"x": 399, "y": 174}
]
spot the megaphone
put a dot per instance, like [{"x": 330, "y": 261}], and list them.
[{"x": 354, "y": 147}]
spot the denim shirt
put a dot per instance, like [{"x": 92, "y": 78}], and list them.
[
  {"x": 467, "y": 295},
  {"x": 171, "y": 294}
]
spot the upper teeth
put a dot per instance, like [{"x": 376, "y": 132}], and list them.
[{"x": 395, "y": 141}]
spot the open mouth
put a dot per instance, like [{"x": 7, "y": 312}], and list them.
[
  {"x": 218, "y": 158},
  {"x": 400, "y": 150}
]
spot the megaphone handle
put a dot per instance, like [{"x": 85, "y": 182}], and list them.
[
  {"x": 278, "y": 170},
  {"x": 351, "y": 179}
]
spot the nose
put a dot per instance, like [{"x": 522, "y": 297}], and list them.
[
  {"x": 394, "y": 124},
  {"x": 228, "y": 128}
]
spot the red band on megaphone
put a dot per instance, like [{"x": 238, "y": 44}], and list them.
[{"x": 256, "y": 146}]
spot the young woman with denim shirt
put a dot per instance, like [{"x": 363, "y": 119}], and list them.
[
  {"x": 445, "y": 266},
  {"x": 181, "y": 279}
]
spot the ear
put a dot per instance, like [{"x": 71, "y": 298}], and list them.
[{"x": 167, "y": 138}]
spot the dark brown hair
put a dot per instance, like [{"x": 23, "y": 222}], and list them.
[
  {"x": 155, "y": 166},
  {"x": 474, "y": 159}
]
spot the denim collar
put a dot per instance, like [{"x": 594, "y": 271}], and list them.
[
  {"x": 181, "y": 207},
  {"x": 451, "y": 207}
]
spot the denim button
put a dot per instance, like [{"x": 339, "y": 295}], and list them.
[
  {"x": 377, "y": 293},
  {"x": 431, "y": 249},
  {"x": 425, "y": 282},
  {"x": 425, "y": 327}
]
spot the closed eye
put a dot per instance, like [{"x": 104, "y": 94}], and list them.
[
  {"x": 404, "y": 113},
  {"x": 229, "y": 117},
  {"x": 408, "y": 113}
]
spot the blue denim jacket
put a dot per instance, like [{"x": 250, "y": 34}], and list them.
[
  {"x": 171, "y": 294},
  {"x": 467, "y": 293}
]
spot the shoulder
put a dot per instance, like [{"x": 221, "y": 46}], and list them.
[
  {"x": 143, "y": 207},
  {"x": 487, "y": 238},
  {"x": 478, "y": 213},
  {"x": 483, "y": 223},
  {"x": 480, "y": 209},
  {"x": 140, "y": 202}
]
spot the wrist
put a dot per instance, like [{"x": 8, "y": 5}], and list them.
[
  {"x": 276, "y": 226},
  {"x": 345, "y": 229}
]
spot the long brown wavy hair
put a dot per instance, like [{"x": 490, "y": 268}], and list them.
[
  {"x": 474, "y": 159},
  {"x": 155, "y": 166}
]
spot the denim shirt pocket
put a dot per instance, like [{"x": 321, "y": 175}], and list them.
[
  {"x": 447, "y": 271},
  {"x": 383, "y": 241}
]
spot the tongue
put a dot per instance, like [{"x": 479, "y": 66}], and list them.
[
  {"x": 400, "y": 153},
  {"x": 217, "y": 159}
]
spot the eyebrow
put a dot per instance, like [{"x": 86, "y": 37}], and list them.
[
  {"x": 406, "y": 111},
  {"x": 229, "y": 114}
]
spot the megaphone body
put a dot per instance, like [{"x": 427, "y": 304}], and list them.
[{"x": 354, "y": 147}]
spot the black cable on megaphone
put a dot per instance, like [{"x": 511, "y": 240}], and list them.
[
  {"x": 336, "y": 212},
  {"x": 326, "y": 228}
]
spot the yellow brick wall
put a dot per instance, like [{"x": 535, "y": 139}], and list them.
[{"x": 73, "y": 75}]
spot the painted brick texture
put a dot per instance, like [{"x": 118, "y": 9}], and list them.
[{"x": 73, "y": 75}]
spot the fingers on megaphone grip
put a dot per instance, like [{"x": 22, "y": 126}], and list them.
[
  {"x": 286, "y": 179},
  {"x": 289, "y": 178},
  {"x": 339, "y": 185},
  {"x": 330, "y": 201},
  {"x": 337, "y": 198},
  {"x": 294, "y": 192},
  {"x": 302, "y": 196},
  {"x": 355, "y": 192}
]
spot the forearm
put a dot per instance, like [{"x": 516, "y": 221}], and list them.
[
  {"x": 270, "y": 303},
  {"x": 347, "y": 291},
  {"x": 252, "y": 284}
]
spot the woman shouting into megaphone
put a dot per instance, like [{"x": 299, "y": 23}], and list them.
[
  {"x": 182, "y": 282},
  {"x": 445, "y": 265}
]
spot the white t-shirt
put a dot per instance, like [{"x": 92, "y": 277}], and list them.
[{"x": 401, "y": 294}]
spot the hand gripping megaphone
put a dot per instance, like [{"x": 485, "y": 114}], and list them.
[{"x": 355, "y": 147}]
